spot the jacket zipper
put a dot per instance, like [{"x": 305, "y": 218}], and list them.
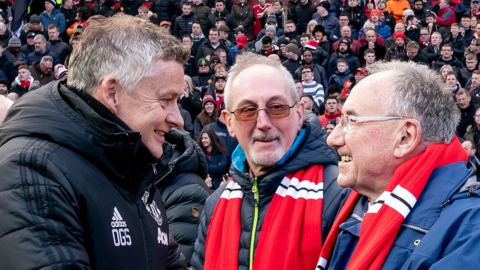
[
  {"x": 415, "y": 228},
  {"x": 255, "y": 220}
]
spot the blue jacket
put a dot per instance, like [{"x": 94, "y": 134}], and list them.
[
  {"x": 442, "y": 230},
  {"x": 56, "y": 17},
  {"x": 382, "y": 29}
]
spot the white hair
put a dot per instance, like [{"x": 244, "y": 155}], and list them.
[
  {"x": 5, "y": 104},
  {"x": 124, "y": 47},
  {"x": 247, "y": 60},
  {"x": 419, "y": 93}
]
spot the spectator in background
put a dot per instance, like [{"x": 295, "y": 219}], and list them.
[
  {"x": 57, "y": 46},
  {"x": 396, "y": 7},
  {"x": 40, "y": 51},
  {"x": 81, "y": 18},
  {"x": 303, "y": 14},
  {"x": 51, "y": 15},
  {"x": 22, "y": 83},
  {"x": 342, "y": 74},
  {"x": 380, "y": 27},
  {"x": 310, "y": 87},
  {"x": 465, "y": 74},
  {"x": 356, "y": 14},
  {"x": 69, "y": 13},
  {"x": 14, "y": 53},
  {"x": 331, "y": 111},
  {"x": 325, "y": 18},
  {"x": 447, "y": 58},
  {"x": 467, "y": 109},
  {"x": 191, "y": 98},
  {"x": 166, "y": 10},
  {"x": 6, "y": 66},
  {"x": 221, "y": 12},
  {"x": 4, "y": 87},
  {"x": 258, "y": 11},
  {"x": 42, "y": 71},
  {"x": 130, "y": 7},
  {"x": 34, "y": 27},
  {"x": 243, "y": 14},
  {"x": 446, "y": 15},
  {"x": 107, "y": 9},
  {"x": 183, "y": 23},
  {"x": 207, "y": 115},
  {"x": 216, "y": 155},
  {"x": 202, "y": 12}
]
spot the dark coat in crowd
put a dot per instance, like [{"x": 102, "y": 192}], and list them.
[
  {"x": 303, "y": 14},
  {"x": 166, "y": 10},
  {"x": 183, "y": 25},
  {"x": 183, "y": 188},
  {"x": 130, "y": 7}
]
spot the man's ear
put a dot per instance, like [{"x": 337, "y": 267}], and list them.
[
  {"x": 301, "y": 112},
  {"x": 107, "y": 93},
  {"x": 227, "y": 117},
  {"x": 408, "y": 138}
]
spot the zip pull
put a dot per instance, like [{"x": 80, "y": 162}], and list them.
[
  {"x": 153, "y": 188},
  {"x": 255, "y": 190}
]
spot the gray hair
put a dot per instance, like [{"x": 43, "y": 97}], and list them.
[
  {"x": 247, "y": 60},
  {"x": 39, "y": 37},
  {"x": 419, "y": 93},
  {"x": 124, "y": 47}
]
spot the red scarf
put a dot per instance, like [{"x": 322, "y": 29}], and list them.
[
  {"x": 25, "y": 84},
  {"x": 291, "y": 236},
  {"x": 405, "y": 185}
]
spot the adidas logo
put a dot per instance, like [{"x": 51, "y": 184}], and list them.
[{"x": 117, "y": 220}]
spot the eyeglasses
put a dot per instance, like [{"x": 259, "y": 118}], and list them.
[
  {"x": 203, "y": 65},
  {"x": 346, "y": 120},
  {"x": 273, "y": 111},
  {"x": 307, "y": 71}
]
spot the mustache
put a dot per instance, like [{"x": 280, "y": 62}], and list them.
[{"x": 265, "y": 136}]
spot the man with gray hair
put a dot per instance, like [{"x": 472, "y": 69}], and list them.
[
  {"x": 280, "y": 173},
  {"x": 5, "y": 35},
  {"x": 40, "y": 51},
  {"x": 80, "y": 160},
  {"x": 411, "y": 206},
  {"x": 43, "y": 71}
]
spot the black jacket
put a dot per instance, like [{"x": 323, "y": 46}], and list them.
[
  {"x": 431, "y": 53},
  {"x": 183, "y": 188},
  {"x": 192, "y": 104},
  {"x": 130, "y": 7},
  {"x": 457, "y": 45},
  {"x": 70, "y": 16},
  {"x": 8, "y": 68},
  {"x": 79, "y": 191},
  {"x": 467, "y": 118},
  {"x": 313, "y": 150},
  {"x": 166, "y": 10},
  {"x": 303, "y": 14},
  {"x": 59, "y": 48},
  {"x": 183, "y": 25},
  {"x": 357, "y": 17},
  {"x": 229, "y": 19},
  {"x": 454, "y": 62}
]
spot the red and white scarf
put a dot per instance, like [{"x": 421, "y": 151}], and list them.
[
  {"x": 391, "y": 208},
  {"x": 291, "y": 235}
]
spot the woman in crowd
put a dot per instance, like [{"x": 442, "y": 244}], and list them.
[
  {"x": 444, "y": 70},
  {"x": 216, "y": 155},
  {"x": 82, "y": 16},
  {"x": 146, "y": 14},
  {"x": 207, "y": 116},
  {"x": 282, "y": 14},
  {"x": 310, "y": 26},
  {"x": 191, "y": 98}
]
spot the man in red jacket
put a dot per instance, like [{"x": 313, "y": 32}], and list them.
[
  {"x": 331, "y": 111},
  {"x": 446, "y": 15}
]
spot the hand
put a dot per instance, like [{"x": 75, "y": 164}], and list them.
[
  {"x": 259, "y": 15},
  {"x": 185, "y": 92},
  {"x": 371, "y": 45},
  {"x": 208, "y": 181},
  {"x": 213, "y": 10}
]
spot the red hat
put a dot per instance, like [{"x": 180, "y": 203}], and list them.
[
  {"x": 242, "y": 40},
  {"x": 361, "y": 70},
  {"x": 208, "y": 98},
  {"x": 377, "y": 11},
  {"x": 399, "y": 35},
  {"x": 312, "y": 45}
]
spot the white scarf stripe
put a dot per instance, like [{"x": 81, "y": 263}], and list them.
[
  {"x": 232, "y": 191},
  {"x": 322, "y": 263},
  {"x": 378, "y": 203},
  {"x": 300, "y": 189},
  {"x": 405, "y": 195}
]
